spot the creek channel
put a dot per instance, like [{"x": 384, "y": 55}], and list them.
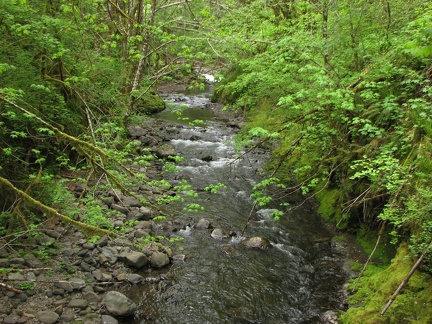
[{"x": 298, "y": 280}]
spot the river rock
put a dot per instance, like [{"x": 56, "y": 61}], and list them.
[
  {"x": 110, "y": 254},
  {"x": 47, "y": 317},
  {"x": 78, "y": 303},
  {"x": 118, "y": 304},
  {"x": 203, "y": 224},
  {"x": 136, "y": 131},
  {"x": 135, "y": 278},
  {"x": 256, "y": 242},
  {"x": 106, "y": 319},
  {"x": 166, "y": 150},
  {"x": 134, "y": 259},
  {"x": 16, "y": 276},
  {"x": 77, "y": 283},
  {"x": 218, "y": 234},
  {"x": 101, "y": 276},
  {"x": 330, "y": 317},
  {"x": 131, "y": 201},
  {"x": 159, "y": 259},
  {"x": 66, "y": 286},
  {"x": 121, "y": 209}
]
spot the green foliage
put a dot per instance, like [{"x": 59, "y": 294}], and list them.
[
  {"x": 214, "y": 188},
  {"x": 259, "y": 191},
  {"x": 27, "y": 286},
  {"x": 159, "y": 218},
  {"x": 94, "y": 239}
]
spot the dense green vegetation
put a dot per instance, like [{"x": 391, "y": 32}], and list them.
[
  {"x": 73, "y": 76},
  {"x": 341, "y": 89}
]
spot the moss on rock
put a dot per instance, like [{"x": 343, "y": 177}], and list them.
[
  {"x": 377, "y": 286},
  {"x": 149, "y": 103}
]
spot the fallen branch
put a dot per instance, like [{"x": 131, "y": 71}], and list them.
[
  {"x": 51, "y": 212},
  {"x": 405, "y": 281}
]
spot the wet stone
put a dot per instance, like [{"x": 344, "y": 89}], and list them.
[
  {"x": 134, "y": 278},
  {"x": 218, "y": 233},
  {"x": 134, "y": 259},
  {"x": 118, "y": 304},
  {"x": 106, "y": 319},
  {"x": 256, "y": 242},
  {"x": 159, "y": 259},
  {"x": 203, "y": 224}
]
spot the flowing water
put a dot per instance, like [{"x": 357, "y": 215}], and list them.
[{"x": 295, "y": 281}]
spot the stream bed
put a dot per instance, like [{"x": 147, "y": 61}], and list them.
[{"x": 298, "y": 280}]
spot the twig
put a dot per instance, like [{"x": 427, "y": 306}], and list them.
[
  {"x": 381, "y": 231},
  {"x": 11, "y": 288},
  {"x": 248, "y": 220}
]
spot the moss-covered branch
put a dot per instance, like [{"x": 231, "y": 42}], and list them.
[{"x": 51, "y": 212}]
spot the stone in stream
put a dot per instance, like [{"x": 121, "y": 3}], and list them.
[
  {"x": 166, "y": 150},
  {"x": 159, "y": 259},
  {"x": 218, "y": 234},
  {"x": 118, "y": 304},
  {"x": 203, "y": 224},
  {"x": 256, "y": 242},
  {"x": 106, "y": 319},
  {"x": 134, "y": 278},
  {"x": 134, "y": 259}
]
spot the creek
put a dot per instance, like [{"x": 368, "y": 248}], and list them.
[{"x": 298, "y": 280}]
